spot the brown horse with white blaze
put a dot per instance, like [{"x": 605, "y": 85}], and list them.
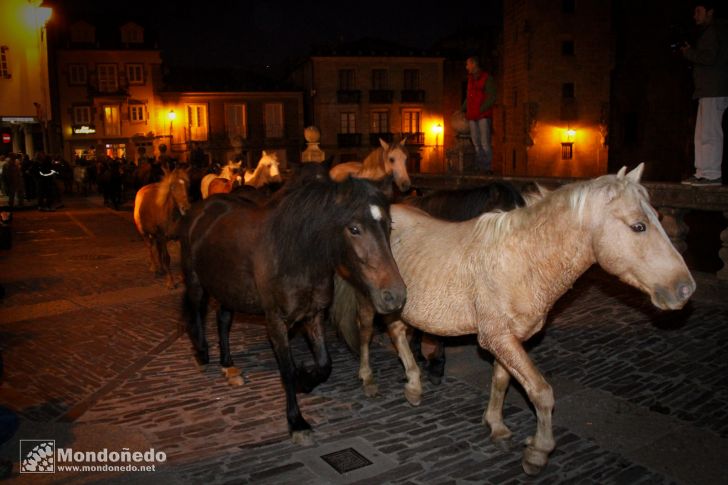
[
  {"x": 497, "y": 276},
  {"x": 157, "y": 210}
]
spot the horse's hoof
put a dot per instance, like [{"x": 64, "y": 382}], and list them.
[
  {"x": 534, "y": 461},
  {"x": 436, "y": 380},
  {"x": 413, "y": 397},
  {"x": 371, "y": 389},
  {"x": 303, "y": 438}
]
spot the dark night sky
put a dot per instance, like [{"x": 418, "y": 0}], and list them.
[{"x": 260, "y": 33}]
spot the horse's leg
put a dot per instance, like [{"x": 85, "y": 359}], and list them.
[
  {"x": 436, "y": 363},
  {"x": 197, "y": 300},
  {"x": 165, "y": 262},
  {"x": 153, "y": 256},
  {"x": 366, "y": 328},
  {"x": 224, "y": 323},
  {"x": 306, "y": 379},
  {"x": 278, "y": 336},
  {"x": 493, "y": 415},
  {"x": 416, "y": 346},
  {"x": 413, "y": 388},
  {"x": 510, "y": 353}
]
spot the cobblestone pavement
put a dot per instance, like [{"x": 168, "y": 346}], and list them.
[{"x": 95, "y": 358}]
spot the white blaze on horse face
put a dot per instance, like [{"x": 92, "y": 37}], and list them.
[{"x": 376, "y": 212}]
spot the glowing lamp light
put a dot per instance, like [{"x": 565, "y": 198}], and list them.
[
  {"x": 171, "y": 116},
  {"x": 567, "y": 143},
  {"x": 437, "y": 129},
  {"x": 568, "y": 136},
  {"x": 37, "y": 16}
]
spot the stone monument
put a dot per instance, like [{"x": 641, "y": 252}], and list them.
[
  {"x": 463, "y": 154},
  {"x": 312, "y": 153}
]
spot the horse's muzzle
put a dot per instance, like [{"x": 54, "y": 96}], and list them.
[
  {"x": 674, "y": 298},
  {"x": 389, "y": 300}
]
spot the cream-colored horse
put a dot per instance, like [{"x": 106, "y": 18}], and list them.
[
  {"x": 385, "y": 160},
  {"x": 497, "y": 276},
  {"x": 230, "y": 172},
  {"x": 268, "y": 171}
]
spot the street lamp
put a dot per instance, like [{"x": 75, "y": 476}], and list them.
[
  {"x": 171, "y": 117},
  {"x": 437, "y": 130},
  {"x": 567, "y": 143}
]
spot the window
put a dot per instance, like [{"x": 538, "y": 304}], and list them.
[
  {"x": 81, "y": 115},
  {"x": 379, "y": 122},
  {"x": 111, "y": 121},
  {"x": 108, "y": 82},
  {"x": 136, "y": 113},
  {"x": 197, "y": 121},
  {"x": 135, "y": 73},
  {"x": 410, "y": 121},
  {"x": 411, "y": 79},
  {"x": 4, "y": 63},
  {"x": 379, "y": 79},
  {"x": 236, "y": 123},
  {"x": 567, "y": 48},
  {"x": 346, "y": 79},
  {"x": 273, "y": 114},
  {"x": 347, "y": 122},
  {"x": 567, "y": 91},
  {"x": 77, "y": 74}
]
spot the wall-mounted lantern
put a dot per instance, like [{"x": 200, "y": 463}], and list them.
[{"x": 567, "y": 144}]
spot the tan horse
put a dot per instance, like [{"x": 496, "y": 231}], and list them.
[
  {"x": 157, "y": 210},
  {"x": 229, "y": 172},
  {"x": 267, "y": 172},
  {"x": 497, "y": 276},
  {"x": 385, "y": 160}
]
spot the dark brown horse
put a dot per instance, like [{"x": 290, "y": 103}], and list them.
[
  {"x": 157, "y": 211},
  {"x": 280, "y": 260}
]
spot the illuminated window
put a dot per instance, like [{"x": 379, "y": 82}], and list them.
[
  {"x": 136, "y": 113},
  {"x": 197, "y": 121},
  {"x": 410, "y": 121},
  {"x": 411, "y": 79},
  {"x": 111, "y": 121},
  {"x": 77, "y": 74},
  {"x": 236, "y": 123},
  {"x": 4, "y": 63},
  {"x": 108, "y": 82},
  {"x": 135, "y": 73},
  {"x": 379, "y": 122},
  {"x": 81, "y": 115},
  {"x": 379, "y": 79},
  {"x": 347, "y": 122},
  {"x": 273, "y": 114},
  {"x": 346, "y": 79}
]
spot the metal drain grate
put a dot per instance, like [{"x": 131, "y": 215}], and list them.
[{"x": 346, "y": 460}]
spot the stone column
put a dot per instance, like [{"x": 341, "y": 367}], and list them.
[
  {"x": 312, "y": 153},
  {"x": 723, "y": 252},
  {"x": 675, "y": 227}
]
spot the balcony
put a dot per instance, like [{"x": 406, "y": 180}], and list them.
[
  {"x": 374, "y": 138},
  {"x": 381, "y": 96},
  {"x": 348, "y": 139},
  {"x": 415, "y": 139},
  {"x": 412, "y": 95},
  {"x": 348, "y": 96}
]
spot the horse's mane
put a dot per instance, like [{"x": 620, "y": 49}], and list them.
[
  {"x": 306, "y": 225},
  {"x": 464, "y": 204},
  {"x": 577, "y": 197},
  {"x": 164, "y": 186}
]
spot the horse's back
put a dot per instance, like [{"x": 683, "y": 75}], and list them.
[{"x": 343, "y": 170}]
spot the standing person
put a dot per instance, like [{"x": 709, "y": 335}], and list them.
[
  {"x": 13, "y": 181},
  {"x": 46, "y": 181},
  {"x": 710, "y": 75},
  {"x": 478, "y": 108}
]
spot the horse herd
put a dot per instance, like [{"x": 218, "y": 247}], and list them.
[{"x": 331, "y": 245}]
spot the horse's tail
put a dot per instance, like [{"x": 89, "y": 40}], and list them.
[{"x": 344, "y": 313}]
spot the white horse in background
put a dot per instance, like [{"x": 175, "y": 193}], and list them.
[
  {"x": 268, "y": 171},
  {"x": 384, "y": 160},
  {"x": 230, "y": 171}
]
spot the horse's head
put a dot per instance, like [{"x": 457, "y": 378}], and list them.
[
  {"x": 366, "y": 258},
  {"x": 629, "y": 241},
  {"x": 230, "y": 170},
  {"x": 268, "y": 163},
  {"x": 395, "y": 162},
  {"x": 179, "y": 184}
]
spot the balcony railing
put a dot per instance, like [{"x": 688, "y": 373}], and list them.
[
  {"x": 412, "y": 95},
  {"x": 374, "y": 138},
  {"x": 381, "y": 95},
  {"x": 348, "y": 139},
  {"x": 348, "y": 96},
  {"x": 417, "y": 138}
]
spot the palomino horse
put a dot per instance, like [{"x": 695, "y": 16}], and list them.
[
  {"x": 230, "y": 172},
  {"x": 498, "y": 276},
  {"x": 280, "y": 260},
  {"x": 385, "y": 160},
  {"x": 267, "y": 172},
  {"x": 157, "y": 210}
]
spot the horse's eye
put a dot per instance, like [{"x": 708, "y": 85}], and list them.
[
  {"x": 638, "y": 227},
  {"x": 354, "y": 230},
  {"x": 391, "y": 159}
]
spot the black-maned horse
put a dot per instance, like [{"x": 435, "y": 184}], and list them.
[{"x": 280, "y": 259}]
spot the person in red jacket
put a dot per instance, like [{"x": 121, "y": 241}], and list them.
[{"x": 478, "y": 108}]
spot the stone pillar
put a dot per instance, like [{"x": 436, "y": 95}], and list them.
[
  {"x": 723, "y": 252},
  {"x": 675, "y": 227},
  {"x": 312, "y": 153}
]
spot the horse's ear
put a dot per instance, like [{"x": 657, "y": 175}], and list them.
[
  {"x": 165, "y": 170},
  {"x": 384, "y": 144},
  {"x": 403, "y": 141},
  {"x": 622, "y": 171},
  {"x": 636, "y": 174},
  {"x": 264, "y": 153}
]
